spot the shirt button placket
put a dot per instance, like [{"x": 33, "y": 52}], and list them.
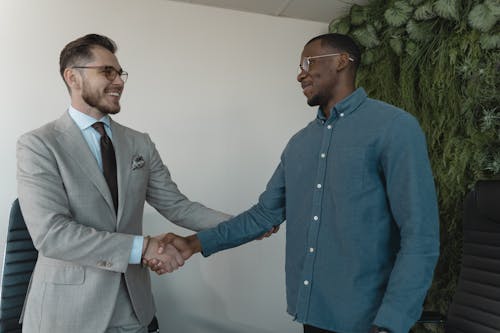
[{"x": 308, "y": 268}]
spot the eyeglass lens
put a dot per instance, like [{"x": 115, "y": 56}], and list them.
[
  {"x": 304, "y": 66},
  {"x": 111, "y": 72}
]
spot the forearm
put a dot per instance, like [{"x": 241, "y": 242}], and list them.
[{"x": 242, "y": 229}]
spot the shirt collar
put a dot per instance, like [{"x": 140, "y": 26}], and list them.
[
  {"x": 84, "y": 121},
  {"x": 345, "y": 106}
]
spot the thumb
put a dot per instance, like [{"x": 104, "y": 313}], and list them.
[{"x": 163, "y": 241}]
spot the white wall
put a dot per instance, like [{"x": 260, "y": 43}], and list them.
[{"x": 216, "y": 90}]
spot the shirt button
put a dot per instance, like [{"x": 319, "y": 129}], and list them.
[
  {"x": 311, "y": 249},
  {"x": 329, "y": 126},
  {"x": 318, "y": 186},
  {"x": 323, "y": 155},
  {"x": 315, "y": 218},
  {"x": 306, "y": 283},
  {"x": 342, "y": 114}
]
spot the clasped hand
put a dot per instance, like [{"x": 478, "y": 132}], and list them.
[{"x": 166, "y": 253}]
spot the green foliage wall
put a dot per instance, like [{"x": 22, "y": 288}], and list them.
[{"x": 439, "y": 60}]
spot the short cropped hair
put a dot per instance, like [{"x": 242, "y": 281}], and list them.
[
  {"x": 342, "y": 43},
  {"x": 81, "y": 50}
]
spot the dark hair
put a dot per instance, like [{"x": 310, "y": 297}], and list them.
[
  {"x": 81, "y": 49},
  {"x": 341, "y": 43}
]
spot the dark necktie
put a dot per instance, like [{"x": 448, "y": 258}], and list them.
[{"x": 108, "y": 162}]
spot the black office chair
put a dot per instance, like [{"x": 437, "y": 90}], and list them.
[
  {"x": 18, "y": 264},
  {"x": 19, "y": 261},
  {"x": 475, "y": 307}
]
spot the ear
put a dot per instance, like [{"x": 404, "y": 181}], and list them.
[
  {"x": 72, "y": 78},
  {"x": 343, "y": 62}
]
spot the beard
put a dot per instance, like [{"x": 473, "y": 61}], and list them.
[
  {"x": 97, "y": 100},
  {"x": 317, "y": 99}
]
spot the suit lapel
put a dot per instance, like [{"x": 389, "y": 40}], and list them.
[
  {"x": 72, "y": 141},
  {"x": 123, "y": 163}
]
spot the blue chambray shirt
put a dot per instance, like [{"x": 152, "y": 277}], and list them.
[{"x": 358, "y": 196}]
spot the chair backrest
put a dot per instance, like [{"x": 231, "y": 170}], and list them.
[
  {"x": 476, "y": 303},
  {"x": 19, "y": 261}
]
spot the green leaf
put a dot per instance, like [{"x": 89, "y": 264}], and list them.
[
  {"x": 411, "y": 48},
  {"x": 419, "y": 31},
  {"x": 396, "y": 45},
  {"x": 494, "y": 6},
  {"x": 340, "y": 26},
  {"x": 378, "y": 25},
  {"x": 490, "y": 42},
  {"x": 358, "y": 14},
  {"x": 490, "y": 119},
  {"x": 482, "y": 18},
  {"x": 447, "y": 9},
  {"x": 398, "y": 14},
  {"x": 424, "y": 12},
  {"x": 371, "y": 56},
  {"x": 366, "y": 36}
]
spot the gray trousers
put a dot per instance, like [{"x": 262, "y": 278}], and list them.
[{"x": 124, "y": 319}]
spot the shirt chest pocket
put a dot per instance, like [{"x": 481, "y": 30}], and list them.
[{"x": 346, "y": 173}]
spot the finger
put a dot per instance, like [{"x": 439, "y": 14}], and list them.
[
  {"x": 153, "y": 262},
  {"x": 173, "y": 263},
  {"x": 168, "y": 268},
  {"x": 175, "y": 255},
  {"x": 165, "y": 266},
  {"x": 166, "y": 239},
  {"x": 179, "y": 259},
  {"x": 157, "y": 267},
  {"x": 267, "y": 234}
]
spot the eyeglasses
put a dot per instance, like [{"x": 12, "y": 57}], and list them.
[
  {"x": 109, "y": 72},
  {"x": 306, "y": 62}
]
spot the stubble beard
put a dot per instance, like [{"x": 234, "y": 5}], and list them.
[
  {"x": 314, "y": 100},
  {"x": 94, "y": 99}
]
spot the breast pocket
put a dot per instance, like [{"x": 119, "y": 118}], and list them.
[
  {"x": 347, "y": 170},
  {"x": 64, "y": 274}
]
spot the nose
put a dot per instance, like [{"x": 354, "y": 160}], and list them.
[
  {"x": 118, "y": 80},
  {"x": 301, "y": 75}
]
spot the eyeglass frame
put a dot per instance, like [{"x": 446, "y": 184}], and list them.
[
  {"x": 109, "y": 72},
  {"x": 304, "y": 66}
]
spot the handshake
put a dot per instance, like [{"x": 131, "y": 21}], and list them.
[{"x": 167, "y": 252}]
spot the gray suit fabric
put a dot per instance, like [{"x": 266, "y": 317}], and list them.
[{"x": 84, "y": 247}]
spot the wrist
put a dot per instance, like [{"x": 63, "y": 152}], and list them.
[
  {"x": 145, "y": 245},
  {"x": 194, "y": 243}
]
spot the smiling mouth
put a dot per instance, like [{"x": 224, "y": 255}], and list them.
[
  {"x": 306, "y": 88},
  {"x": 115, "y": 94}
]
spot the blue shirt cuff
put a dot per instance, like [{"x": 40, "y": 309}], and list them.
[{"x": 136, "y": 253}]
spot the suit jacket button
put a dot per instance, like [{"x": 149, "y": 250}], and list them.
[{"x": 108, "y": 264}]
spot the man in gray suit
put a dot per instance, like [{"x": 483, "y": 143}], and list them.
[{"x": 83, "y": 206}]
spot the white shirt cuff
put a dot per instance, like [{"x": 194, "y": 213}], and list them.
[{"x": 136, "y": 253}]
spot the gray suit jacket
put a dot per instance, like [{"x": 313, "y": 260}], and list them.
[{"x": 83, "y": 245}]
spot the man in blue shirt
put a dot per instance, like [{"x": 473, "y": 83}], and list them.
[{"x": 356, "y": 189}]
